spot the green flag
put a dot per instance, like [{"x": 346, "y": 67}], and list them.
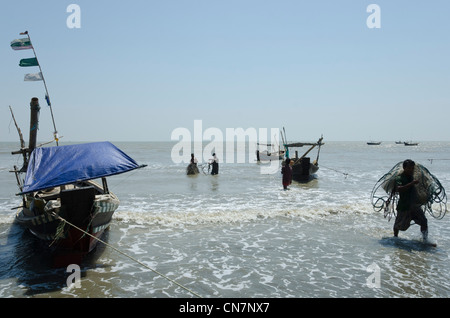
[{"x": 29, "y": 62}]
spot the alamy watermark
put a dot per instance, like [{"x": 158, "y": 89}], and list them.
[
  {"x": 74, "y": 279},
  {"x": 374, "y": 279},
  {"x": 236, "y": 145},
  {"x": 73, "y": 21},
  {"x": 374, "y": 19}
]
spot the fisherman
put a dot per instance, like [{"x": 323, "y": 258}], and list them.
[
  {"x": 192, "y": 167},
  {"x": 286, "y": 171},
  {"x": 408, "y": 208},
  {"x": 214, "y": 161},
  {"x": 193, "y": 159}
]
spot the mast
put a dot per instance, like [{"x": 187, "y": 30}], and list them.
[{"x": 34, "y": 123}]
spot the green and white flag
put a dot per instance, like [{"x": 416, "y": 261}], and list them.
[
  {"x": 33, "y": 77},
  {"x": 21, "y": 44},
  {"x": 28, "y": 62}
]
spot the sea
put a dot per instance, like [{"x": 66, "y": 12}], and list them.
[{"x": 239, "y": 234}]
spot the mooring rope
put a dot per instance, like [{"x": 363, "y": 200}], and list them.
[
  {"x": 346, "y": 174},
  {"x": 130, "y": 257}
]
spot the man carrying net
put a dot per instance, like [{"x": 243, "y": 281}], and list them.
[
  {"x": 407, "y": 192},
  {"x": 408, "y": 207}
]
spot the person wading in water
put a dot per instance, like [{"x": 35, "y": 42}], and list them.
[
  {"x": 286, "y": 171},
  {"x": 408, "y": 208}
]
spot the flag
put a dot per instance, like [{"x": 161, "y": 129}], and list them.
[
  {"x": 33, "y": 77},
  {"x": 29, "y": 62},
  {"x": 21, "y": 44},
  {"x": 23, "y": 33}
]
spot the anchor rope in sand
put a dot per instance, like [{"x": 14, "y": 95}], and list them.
[{"x": 130, "y": 257}]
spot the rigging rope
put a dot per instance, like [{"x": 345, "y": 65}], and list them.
[
  {"x": 431, "y": 194},
  {"x": 130, "y": 257}
]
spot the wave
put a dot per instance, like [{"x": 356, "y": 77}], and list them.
[{"x": 179, "y": 217}]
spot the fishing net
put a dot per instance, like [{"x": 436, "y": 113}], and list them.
[{"x": 430, "y": 193}]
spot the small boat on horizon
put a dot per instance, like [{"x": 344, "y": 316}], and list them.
[
  {"x": 374, "y": 143},
  {"x": 410, "y": 143}
]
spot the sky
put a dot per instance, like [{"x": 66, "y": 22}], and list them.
[{"x": 138, "y": 70}]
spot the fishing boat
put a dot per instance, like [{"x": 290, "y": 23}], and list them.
[
  {"x": 303, "y": 170},
  {"x": 410, "y": 143},
  {"x": 374, "y": 143},
  {"x": 63, "y": 203}
]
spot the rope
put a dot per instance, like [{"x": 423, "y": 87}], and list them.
[
  {"x": 59, "y": 233},
  {"x": 130, "y": 257},
  {"x": 346, "y": 174}
]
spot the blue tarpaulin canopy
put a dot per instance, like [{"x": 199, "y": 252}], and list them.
[{"x": 55, "y": 166}]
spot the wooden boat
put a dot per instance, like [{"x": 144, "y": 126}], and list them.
[
  {"x": 303, "y": 170},
  {"x": 410, "y": 143},
  {"x": 61, "y": 203},
  {"x": 374, "y": 143}
]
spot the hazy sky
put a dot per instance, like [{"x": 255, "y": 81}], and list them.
[{"x": 137, "y": 70}]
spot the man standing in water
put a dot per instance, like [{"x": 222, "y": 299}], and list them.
[
  {"x": 407, "y": 208},
  {"x": 215, "y": 164},
  {"x": 286, "y": 171}
]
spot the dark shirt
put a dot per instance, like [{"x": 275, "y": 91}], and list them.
[
  {"x": 408, "y": 196},
  {"x": 287, "y": 174}
]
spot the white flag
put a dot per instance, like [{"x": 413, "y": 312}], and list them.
[{"x": 32, "y": 77}]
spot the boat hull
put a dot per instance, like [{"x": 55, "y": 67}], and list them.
[
  {"x": 304, "y": 171},
  {"x": 83, "y": 210}
]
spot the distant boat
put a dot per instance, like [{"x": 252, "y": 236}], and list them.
[
  {"x": 399, "y": 142},
  {"x": 374, "y": 143},
  {"x": 270, "y": 154},
  {"x": 411, "y": 143}
]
